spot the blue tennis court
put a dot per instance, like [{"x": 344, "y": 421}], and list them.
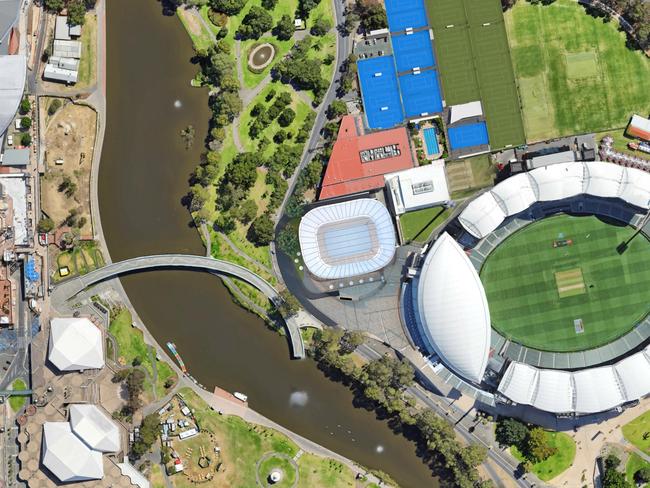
[
  {"x": 468, "y": 136},
  {"x": 421, "y": 93},
  {"x": 431, "y": 141},
  {"x": 413, "y": 51},
  {"x": 380, "y": 92},
  {"x": 403, "y": 14}
]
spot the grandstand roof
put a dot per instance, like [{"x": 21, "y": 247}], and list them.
[
  {"x": 453, "y": 309},
  {"x": 13, "y": 71},
  {"x": 75, "y": 344},
  {"x": 67, "y": 457},
  {"x": 94, "y": 427},
  {"x": 559, "y": 181},
  {"x": 347, "y": 173},
  {"x": 347, "y": 239},
  {"x": 586, "y": 391}
]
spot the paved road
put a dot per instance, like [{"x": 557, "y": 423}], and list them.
[{"x": 68, "y": 289}]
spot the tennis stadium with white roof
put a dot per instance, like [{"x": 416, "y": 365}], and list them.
[
  {"x": 556, "y": 182},
  {"x": 94, "y": 427},
  {"x": 76, "y": 344},
  {"x": 67, "y": 456},
  {"x": 347, "y": 239}
]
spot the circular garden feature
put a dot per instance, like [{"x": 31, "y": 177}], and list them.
[
  {"x": 559, "y": 284},
  {"x": 260, "y": 57},
  {"x": 277, "y": 470}
]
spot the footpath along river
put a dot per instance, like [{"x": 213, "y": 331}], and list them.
[{"x": 143, "y": 176}]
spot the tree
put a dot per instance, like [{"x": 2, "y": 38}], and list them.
[
  {"x": 25, "y": 106},
  {"x": 288, "y": 240},
  {"x": 285, "y": 28},
  {"x": 76, "y": 12},
  {"x": 537, "y": 447},
  {"x": 350, "y": 341},
  {"x": 134, "y": 387},
  {"x": 642, "y": 475},
  {"x": 149, "y": 432},
  {"x": 289, "y": 304},
  {"x": 26, "y": 139},
  {"x": 45, "y": 225},
  {"x": 511, "y": 432},
  {"x": 81, "y": 222},
  {"x": 25, "y": 123},
  {"x": 280, "y": 136},
  {"x": 54, "y": 5},
  {"x": 228, "y": 7},
  {"x": 198, "y": 197},
  {"x": 67, "y": 186},
  {"x": 54, "y": 106},
  {"x": 246, "y": 212},
  {"x": 507, "y": 4},
  {"x": 321, "y": 26},
  {"x": 261, "y": 230},
  {"x": 242, "y": 170},
  {"x": 306, "y": 6},
  {"x": 226, "y": 107},
  {"x": 336, "y": 109},
  {"x": 372, "y": 14},
  {"x": 286, "y": 117},
  {"x": 269, "y": 4},
  {"x": 256, "y": 22},
  {"x": 615, "y": 479}
]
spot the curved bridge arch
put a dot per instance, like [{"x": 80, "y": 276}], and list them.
[{"x": 70, "y": 288}]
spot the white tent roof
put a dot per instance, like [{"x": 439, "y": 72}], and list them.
[
  {"x": 515, "y": 194},
  {"x": 94, "y": 427},
  {"x": 347, "y": 239},
  {"x": 564, "y": 180},
  {"x": 465, "y": 110},
  {"x": 482, "y": 215},
  {"x": 453, "y": 309},
  {"x": 420, "y": 187},
  {"x": 586, "y": 391},
  {"x": 75, "y": 344},
  {"x": 136, "y": 477},
  {"x": 13, "y": 71},
  {"x": 67, "y": 457}
]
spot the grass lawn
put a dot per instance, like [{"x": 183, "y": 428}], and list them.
[
  {"x": 418, "y": 225},
  {"x": 527, "y": 280},
  {"x": 200, "y": 36},
  {"x": 283, "y": 464},
  {"x": 17, "y": 402},
  {"x": 620, "y": 142},
  {"x": 88, "y": 61},
  {"x": 634, "y": 463},
  {"x": 474, "y": 63},
  {"x": 556, "y": 464},
  {"x": 635, "y": 431},
  {"x": 81, "y": 260},
  {"x": 243, "y": 444},
  {"x": 574, "y": 71},
  {"x": 156, "y": 478},
  {"x": 468, "y": 175},
  {"x": 131, "y": 345}
]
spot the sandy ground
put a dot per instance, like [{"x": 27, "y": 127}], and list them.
[{"x": 69, "y": 134}]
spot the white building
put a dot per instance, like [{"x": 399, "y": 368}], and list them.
[
  {"x": 347, "y": 239},
  {"x": 53, "y": 72},
  {"x": 67, "y": 456},
  {"x": 76, "y": 344},
  {"x": 14, "y": 186},
  {"x": 96, "y": 429},
  {"x": 416, "y": 188},
  {"x": 67, "y": 49},
  {"x": 13, "y": 72}
]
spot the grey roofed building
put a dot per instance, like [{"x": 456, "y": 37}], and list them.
[
  {"x": 64, "y": 31},
  {"x": 13, "y": 71},
  {"x": 9, "y": 10},
  {"x": 65, "y": 63},
  {"x": 67, "y": 49},
  {"x": 55, "y": 73},
  {"x": 15, "y": 157}
]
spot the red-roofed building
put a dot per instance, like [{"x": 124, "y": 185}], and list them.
[{"x": 359, "y": 161}]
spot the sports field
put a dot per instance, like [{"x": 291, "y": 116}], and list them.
[
  {"x": 574, "y": 72},
  {"x": 474, "y": 63},
  {"x": 559, "y": 284}
]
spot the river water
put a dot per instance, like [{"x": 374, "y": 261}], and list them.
[{"x": 143, "y": 177}]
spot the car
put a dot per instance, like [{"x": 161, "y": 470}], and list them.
[
  {"x": 10, "y": 140},
  {"x": 42, "y": 239}
]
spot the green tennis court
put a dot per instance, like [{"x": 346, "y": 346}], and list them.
[{"x": 560, "y": 285}]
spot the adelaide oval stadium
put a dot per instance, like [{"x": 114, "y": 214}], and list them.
[{"x": 538, "y": 293}]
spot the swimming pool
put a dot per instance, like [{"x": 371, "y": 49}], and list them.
[{"x": 431, "y": 141}]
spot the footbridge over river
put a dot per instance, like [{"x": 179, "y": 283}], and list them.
[{"x": 70, "y": 288}]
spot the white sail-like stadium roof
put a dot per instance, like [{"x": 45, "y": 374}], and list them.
[
  {"x": 67, "y": 457},
  {"x": 94, "y": 427},
  {"x": 13, "y": 71},
  {"x": 347, "y": 239},
  {"x": 453, "y": 309},
  {"x": 556, "y": 182},
  {"x": 75, "y": 344},
  {"x": 586, "y": 391}
]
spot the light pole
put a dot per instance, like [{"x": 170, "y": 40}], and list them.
[{"x": 622, "y": 247}]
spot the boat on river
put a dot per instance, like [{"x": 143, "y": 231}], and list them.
[{"x": 172, "y": 347}]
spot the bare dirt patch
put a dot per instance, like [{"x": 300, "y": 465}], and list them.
[{"x": 69, "y": 139}]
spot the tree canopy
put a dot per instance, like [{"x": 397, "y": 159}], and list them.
[{"x": 256, "y": 22}]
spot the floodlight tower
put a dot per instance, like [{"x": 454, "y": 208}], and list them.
[{"x": 622, "y": 247}]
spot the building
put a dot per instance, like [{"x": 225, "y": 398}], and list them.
[
  {"x": 65, "y": 32},
  {"x": 67, "y": 49},
  {"x": 66, "y": 455},
  {"x": 13, "y": 72},
  {"x": 9, "y": 12},
  {"x": 639, "y": 127},
  {"x": 54, "y": 73},
  {"x": 347, "y": 239},
  {"x": 76, "y": 344},
  {"x": 14, "y": 191},
  {"x": 15, "y": 157},
  {"x": 359, "y": 161},
  {"x": 97, "y": 430},
  {"x": 416, "y": 188}
]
